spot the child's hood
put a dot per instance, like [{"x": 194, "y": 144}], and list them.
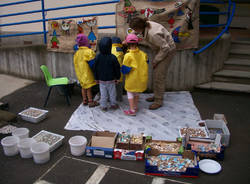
[{"x": 105, "y": 45}]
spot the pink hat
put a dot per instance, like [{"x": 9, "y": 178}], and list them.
[
  {"x": 132, "y": 38},
  {"x": 82, "y": 40}
]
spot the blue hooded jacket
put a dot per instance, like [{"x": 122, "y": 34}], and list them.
[{"x": 106, "y": 66}]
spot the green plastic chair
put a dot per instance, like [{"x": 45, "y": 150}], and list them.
[{"x": 51, "y": 82}]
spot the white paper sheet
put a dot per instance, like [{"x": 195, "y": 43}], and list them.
[{"x": 162, "y": 124}]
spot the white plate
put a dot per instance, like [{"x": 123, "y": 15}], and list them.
[{"x": 209, "y": 166}]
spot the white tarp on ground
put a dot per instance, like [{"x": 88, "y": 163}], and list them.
[{"x": 162, "y": 124}]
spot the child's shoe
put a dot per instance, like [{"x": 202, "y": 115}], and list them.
[
  {"x": 104, "y": 109},
  {"x": 85, "y": 102},
  {"x": 114, "y": 107},
  {"x": 130, "y": 113},
  {"x": 93, "y": 104}
]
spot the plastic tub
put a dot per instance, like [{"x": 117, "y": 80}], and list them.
[
  {"x": 77, "y": 145},
  {"x": 24, "y": 146},
  {"x": 40, "y": 152},
  {"x": 9, "y": 144},
  {"x": 21, "y": 133}
]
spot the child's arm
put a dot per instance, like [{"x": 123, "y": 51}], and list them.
[
  {"x": 126, "y": 66},
  {"x": 91, "y": 60}
]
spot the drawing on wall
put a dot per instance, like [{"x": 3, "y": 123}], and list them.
[
  {"x": 180, "y": 17},
  {"x": 62, "y": 33}
]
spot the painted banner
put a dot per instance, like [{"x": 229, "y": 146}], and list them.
[
  {"x": 62, "y": 34},
  {"x": 179, "y": 17}
]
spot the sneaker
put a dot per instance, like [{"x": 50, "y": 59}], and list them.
[
  {"x": 129, "y": 113},
  {"x": 93, "y": 104},
  {"x": 114, "y": 107},
  {"x": 104, "y": 109}
]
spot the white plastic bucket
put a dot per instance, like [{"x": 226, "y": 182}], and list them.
[
  {"x": 21, "y": 133},
  {"x": 24, "y": 146},
  {"x": 40, "y": 152},
  {"x": 77, "y": 145},
  {"x": 9, "y": 144}
]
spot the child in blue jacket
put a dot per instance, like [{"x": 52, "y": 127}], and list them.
[{"x": 106, "y": 70}]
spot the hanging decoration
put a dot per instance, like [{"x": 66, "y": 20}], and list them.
[
  {"x": 62, "y": 34},
  {"x": 179, "y": 17}
]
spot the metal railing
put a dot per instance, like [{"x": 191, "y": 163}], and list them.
[
  {"x": 43, "y": 11},
  {"x": 44, "y": 19},
  {"x": 230, "y": 13}
]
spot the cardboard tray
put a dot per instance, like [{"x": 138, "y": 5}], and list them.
[
  {"x": 33, "y": 119},
  {"x": 202, "y": 128},
  {"x": 155, "y": 152},
  {"x": 55, "y": 140},
  {"x": 190, "y": 172},
  {"x": 209, "y": 154}
]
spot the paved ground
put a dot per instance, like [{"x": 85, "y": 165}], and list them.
[{"x": 63, "y": 168}]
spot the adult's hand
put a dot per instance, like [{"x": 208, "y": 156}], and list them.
[
  {"x": 154, "y": 65},
  {"x": 124, "y": 42}
]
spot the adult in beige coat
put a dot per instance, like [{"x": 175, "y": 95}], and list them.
[{"x": 161, "y": 42}]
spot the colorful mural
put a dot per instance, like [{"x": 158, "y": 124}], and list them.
[
  {"x": 180, "y": 17},
  {"x": 62, "y": 34}
]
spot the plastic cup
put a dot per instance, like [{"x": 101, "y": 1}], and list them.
[
  {"x": 9, "y": 144},
  {"x": 24, "y": 146},
  {"x": 40, "y": 152},
  {"x": 77, "y": 145},
  {"x": 21, "y": 133}
]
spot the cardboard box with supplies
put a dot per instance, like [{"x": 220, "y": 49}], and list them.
[
  {"x": 101, "y": 144},
  {"x": 179, "y": 165}
]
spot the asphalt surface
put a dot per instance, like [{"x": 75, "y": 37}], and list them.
[{"x": 63, "y": 168}]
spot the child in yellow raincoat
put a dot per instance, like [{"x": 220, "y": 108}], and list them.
[
  {"x": 135, "y": 69},
  {"x": 83, "y": 59},
  {"x": 118, "y": 52}
]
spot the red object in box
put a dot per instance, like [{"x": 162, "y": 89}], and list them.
[{"x": 128, "y": 154}]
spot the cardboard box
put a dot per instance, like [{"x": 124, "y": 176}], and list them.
[
  {"x": 122, "y": 154},
  {"x": 154, "y": 152},
  {"x": 101, "y": 144},
  {"x": 156, "y": 170},
  {"x": 218, "y": 155},
  {"x": 218, "y": 124}
]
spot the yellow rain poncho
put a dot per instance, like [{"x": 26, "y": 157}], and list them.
[
  {"x": 82, "y": 68},
  {"x": 117, "y": 51},
  {"x": 135, "y": 67}
]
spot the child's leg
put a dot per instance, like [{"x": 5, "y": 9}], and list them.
[
  {"x": 104, "y": 96},
  {"x": 112, "y": 94},
  {"x": 131, "y": 101},
  {"x": 90, "y": 99},
  {"x": 131, "y": 111},
  {"x": 84, "y": 96},
  {"x": 136, "y": 100},
  {"x": 89, "y": 94}
]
